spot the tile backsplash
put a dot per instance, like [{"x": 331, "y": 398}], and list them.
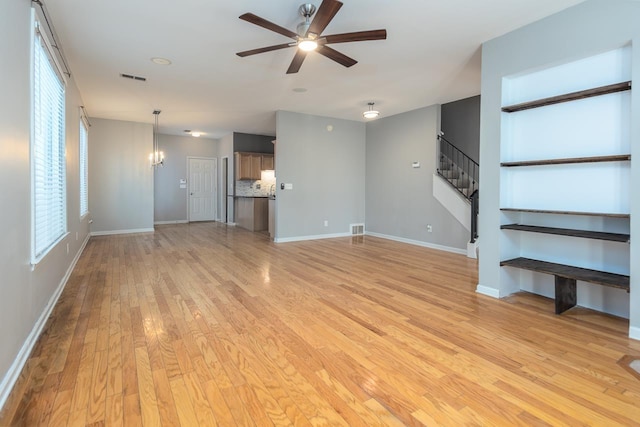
[{"x": 250, "y": 188}]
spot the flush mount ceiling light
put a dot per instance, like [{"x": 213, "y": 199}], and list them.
[
  {"x": 161, "y": 61},
  {"x": 193, "y": 133},
  {"x": 370, "y": 113}
]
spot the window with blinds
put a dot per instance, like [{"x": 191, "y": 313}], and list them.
[
  {"x": 84, "y": 169},
  {"x": 48, "y": 166}
]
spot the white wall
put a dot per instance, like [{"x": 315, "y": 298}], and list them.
[
  {"x": 170, "y": 201},
  {"x": 327, "y": 170},
  {"x": 399, "y": 198},
  {"x": 120, "y": 178},
  {"x": 25, "y": 295},
  {"x": 585, "y": 30}
]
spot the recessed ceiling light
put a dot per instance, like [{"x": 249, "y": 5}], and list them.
[
  {"x": 161, "y": 61},
  {"x": 196, "y": 134},
  {"x": 299, "y": 89}
]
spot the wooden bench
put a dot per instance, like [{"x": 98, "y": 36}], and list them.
[{"x": 566, "y": 277}]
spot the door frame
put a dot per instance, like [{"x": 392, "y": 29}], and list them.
[
  {"x": 214, "y": 185},
  {"x": 224, "y": 189}
]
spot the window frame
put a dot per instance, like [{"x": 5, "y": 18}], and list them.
[{"x": 52, "y": 164}]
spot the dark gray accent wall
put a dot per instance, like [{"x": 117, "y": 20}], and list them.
[
  {"x": 252, "y": 143},
  {"x": 460, "y": 122}
]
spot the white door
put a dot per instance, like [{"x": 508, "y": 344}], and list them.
[{"x": 202, "y": 189}]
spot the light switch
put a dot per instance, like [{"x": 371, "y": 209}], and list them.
[
  {"x": 415, "y": 165},
  {"x": 288, "y": 186}
]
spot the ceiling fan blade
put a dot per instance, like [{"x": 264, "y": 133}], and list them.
[
  {"x": 297, "y": 61},
  {"x": 263, "y": 49},
  {"x": 358, "y": 36},
  {"x": 324, "y": 15},
  {"x": 340, "y": 58},
  {"x": 261, "y": 22}
]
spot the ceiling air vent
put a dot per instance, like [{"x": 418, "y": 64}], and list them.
[{"x": 132, "y": 77}]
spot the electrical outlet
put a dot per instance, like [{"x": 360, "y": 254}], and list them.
[
  {"x": 429, "y": 228},
  {"x": 258, "y": 186},
  {"x": 326, "y": 223}
]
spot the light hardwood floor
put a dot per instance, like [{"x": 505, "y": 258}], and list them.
[{"x": 203, "y": 324}]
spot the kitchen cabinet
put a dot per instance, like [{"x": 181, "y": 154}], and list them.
[
  {"x": 250, "y": 165},
  {"x": 252, "y": 213},
  {"x": 267, "y": 162}
]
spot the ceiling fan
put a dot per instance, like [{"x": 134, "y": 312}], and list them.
[{"x": 308, "y": 36}]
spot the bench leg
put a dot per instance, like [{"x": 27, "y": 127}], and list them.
[{"x": 565, "y": 294}]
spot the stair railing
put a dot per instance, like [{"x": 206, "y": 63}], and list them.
[
  {"x": 475, "y": 206},
  {"x": 466, "y": 170}
]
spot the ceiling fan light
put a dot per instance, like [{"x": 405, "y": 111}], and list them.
[{"x": 308, "y": 45}]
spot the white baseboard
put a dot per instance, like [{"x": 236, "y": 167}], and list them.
[
  {"x": 10, "y": 379},
  {"x": 418, "y": 243},
  {"x": 490, "y": 292},
  {"x": 634, "y": 332},
  {"x": 178, "y": 221},
  {"x": 112, "y": 232},
  {"x": 316, "y": 237},
  {"x": 231, "y": 224}
]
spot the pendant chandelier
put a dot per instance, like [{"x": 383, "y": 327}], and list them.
[{"x": 156, "y": 158}]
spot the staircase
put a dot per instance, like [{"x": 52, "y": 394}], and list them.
[
  {"x": 458, "y": 168},
  {"x": 461, "y": 173}
]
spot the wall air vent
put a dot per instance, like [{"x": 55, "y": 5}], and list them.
[
  {"x": 132, "y": 77},
  {"x": 357, "y": 229}
]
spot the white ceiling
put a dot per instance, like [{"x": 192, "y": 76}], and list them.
[{"x": 431, "y": 55}]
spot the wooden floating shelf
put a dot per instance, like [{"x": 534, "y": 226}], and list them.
[
  {"x": 575, "y": 273},
  {"x": 574, "y": 96},
  {"x": 608, "y": 215},
  {"x": 595, "y": 159},
  {"x": 598, "y": 235}
]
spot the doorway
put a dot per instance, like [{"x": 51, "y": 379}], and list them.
[{"x": 202, "y": 188}]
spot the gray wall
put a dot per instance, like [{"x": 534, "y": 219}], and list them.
[
  {"x": 327, "y": 170},
  {"x": 170, "y": 201},
  {"x": 120, "y": 178},
  {"x": 399, "y": 198},
  {"x": 587, "y": 29},
  {"x": 26, "y": 295},
  {"x": 252, "y": 143},
  {"x": 460, "y": 122}
]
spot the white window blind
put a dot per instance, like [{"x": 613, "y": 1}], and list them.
[
  {"x": 48, "y": 166},
  {"x": 84, "y": 169}
]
